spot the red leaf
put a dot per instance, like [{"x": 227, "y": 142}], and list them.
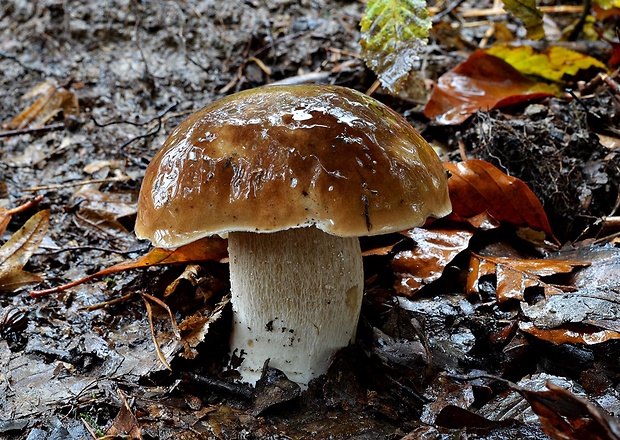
[{"x": 484, "y": 82}]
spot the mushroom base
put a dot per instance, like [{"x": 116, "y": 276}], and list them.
[{"x": 296, "y": 298}]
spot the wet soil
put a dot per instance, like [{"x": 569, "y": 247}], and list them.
[{"x": 69, "y": 370}]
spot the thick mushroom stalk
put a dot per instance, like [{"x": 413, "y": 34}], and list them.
[{"x": 296, "y": 298}]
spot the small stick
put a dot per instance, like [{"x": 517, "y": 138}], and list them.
[
  {"x": 45, "y": 128},
  {"x": 80, "y": 183}
]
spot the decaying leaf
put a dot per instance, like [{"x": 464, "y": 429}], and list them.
[
  {"x": 529, "y": 14},
  {"x": 557, "y": 64},
  {"x": 588, "y": 315},
  {"x": 482, "y": 82},
  {"x": 16, "y": 252},
  {"x": 393, "y": 34},
  {"x": 566, "y": 416},
  {"x": 125, "y": 423},
  {"x": 570, "y": 334},
  {"x": 100, "y": 212},
  {"x": 515, "y": 275},
  {"x": 434, "y": 250},
  {"x": 50, "y": 102},
  {"x": 478, "y": 188},
  {"x": 210, "y": 248}
]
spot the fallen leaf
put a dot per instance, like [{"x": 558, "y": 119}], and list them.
[
  {"x": 434, "y": 250},
  {"x": 566, "y": 416},
  {"x": 125, "y": 423},
  {"x": 570, "y": 334},
  {"x": 591, "y": 313},
  {"x": 16, "y": 252},
  {"x": 101, "y": 212},
  {"x": 7, "y": 214},
  {"x": 482, "y": 82},
  {"x": 209, "y": 248},
  {"x": 478, "y": 188},
  {"x": 557, "y": 64},
  {"x": 51, "y": 101},
  {"x": 515, "y": 275}
]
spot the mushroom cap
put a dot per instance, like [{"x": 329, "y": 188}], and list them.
[{"x": 281, "y": 157}]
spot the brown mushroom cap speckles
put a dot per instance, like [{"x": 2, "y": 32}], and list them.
[{"x": 281, "y": 157}]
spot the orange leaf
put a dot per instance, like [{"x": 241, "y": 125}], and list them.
[
  {"x": 570, "y": 334},
  {"x": 515, "y": 275},
  {"x": 209, "y": 248},
  {"x": 477, "y": 187},
  {"x": 435, "y": 249},
  {"x": 481, "y": 82}
]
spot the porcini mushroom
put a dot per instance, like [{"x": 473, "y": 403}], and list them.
[{"x": 293, "y": 175}]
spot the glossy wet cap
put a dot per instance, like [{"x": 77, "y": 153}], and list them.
[{"x": 281, "y": 157}]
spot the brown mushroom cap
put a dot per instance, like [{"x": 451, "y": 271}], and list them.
[{"x": 281, "y": 157}]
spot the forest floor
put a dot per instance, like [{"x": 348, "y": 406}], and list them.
[{"x": 437, "y": 364}]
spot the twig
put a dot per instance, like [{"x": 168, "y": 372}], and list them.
[
  {"x": 150, "y": 133},
  {"x": 160, "y": 355},
  {"x": 120, "y": 299},
  {"x": 80, "y": 183},
  {"x": 45, "y": 128}
]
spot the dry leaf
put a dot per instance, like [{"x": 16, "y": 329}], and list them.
[
  {"x": 100, "y": 212},
  {"x": 478, "y": 188},
  {"x": 51, "y": 101},
  {"x": 16, "y": 252}
]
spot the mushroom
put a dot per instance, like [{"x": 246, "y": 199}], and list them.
[{"x": 293, "y": 175}]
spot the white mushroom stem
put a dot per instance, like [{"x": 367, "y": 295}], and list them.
[{"x": 296, "y": 297}]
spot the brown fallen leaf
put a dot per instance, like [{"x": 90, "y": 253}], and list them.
[
  {"x": 101, "y": 212},
  {"x": 16, "y": 252},
  {"x": 515, "y": 275},
  {"x": 481, "y": 82},
  {"x": 570, "y": 334},
  {"x": 209, "y": 248},
  {"x": 480, "y": 190},
  {"x": 125, "y": 424},
  {"x": 51, "y": 101},
  {"x": 434, "y": 250},
  {"x": 566, "y": 416}
]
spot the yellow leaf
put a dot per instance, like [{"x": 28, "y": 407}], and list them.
[{"x": 556, "y": 64}]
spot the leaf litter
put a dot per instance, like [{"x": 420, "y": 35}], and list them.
[{"x": 72, "y": 359}]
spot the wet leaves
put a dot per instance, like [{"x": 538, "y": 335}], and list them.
[
  {"x": 557, "y": 64},
  {"x": 210, "y": 248},
  {"x": 480, "y": 192},
  {"x": 566, "y": 416},
  {"x": 514, "y": 276},
  {"x": 393, "y": 33},
  {"x": 482, "y": 82},
  {"x": 434, "y": 249}
]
